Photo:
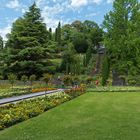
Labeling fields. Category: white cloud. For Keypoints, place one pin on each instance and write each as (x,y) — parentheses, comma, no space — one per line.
(39,2)
(91,15)
(23,9)
(5,31)
(78,3)
(52,16)
(13,4)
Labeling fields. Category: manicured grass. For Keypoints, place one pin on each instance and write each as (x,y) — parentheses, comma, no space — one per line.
(93,116)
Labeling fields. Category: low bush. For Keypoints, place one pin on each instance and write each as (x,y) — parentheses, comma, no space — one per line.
(67,80)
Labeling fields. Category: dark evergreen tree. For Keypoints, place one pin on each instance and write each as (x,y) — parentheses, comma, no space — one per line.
(50,33)
(105,71)
(59,33)
(56,35)
(26,44)
(88,55)
(80,42)
(1,43)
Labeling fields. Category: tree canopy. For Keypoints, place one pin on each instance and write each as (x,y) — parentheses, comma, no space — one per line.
(122,38)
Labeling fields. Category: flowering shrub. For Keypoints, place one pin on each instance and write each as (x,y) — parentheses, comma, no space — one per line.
(74,92)
(67,80)
(42,89)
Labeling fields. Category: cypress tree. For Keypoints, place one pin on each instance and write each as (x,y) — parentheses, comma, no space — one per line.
(1,42)
(50,33)
(59,33)
(105,71)
(88,55)
(56,35)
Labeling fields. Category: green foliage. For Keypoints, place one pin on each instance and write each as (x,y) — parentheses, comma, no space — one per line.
(80,42)
(89,80)
(56,35)
(91,65)
(59,33)
(27,44)
(133,80)
(50,34)
(24,79)
(105,70)
(46,77)
(68,58)
(12,78)
(1,77)
(80,33)
(1,42)
(30,47)
(75,80)
(122,38)
(67,80)
(88,56)
(96,35)
(32,78)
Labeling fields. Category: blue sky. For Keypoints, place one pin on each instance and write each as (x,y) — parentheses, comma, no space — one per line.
(53,11)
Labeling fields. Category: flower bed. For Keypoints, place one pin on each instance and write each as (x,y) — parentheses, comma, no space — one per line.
(9,92)
(20,111)
(16,91)
(74,92)
(42,89)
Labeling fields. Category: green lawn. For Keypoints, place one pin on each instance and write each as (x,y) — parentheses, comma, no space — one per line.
(93,116)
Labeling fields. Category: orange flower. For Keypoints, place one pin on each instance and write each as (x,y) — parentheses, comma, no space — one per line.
(42,89)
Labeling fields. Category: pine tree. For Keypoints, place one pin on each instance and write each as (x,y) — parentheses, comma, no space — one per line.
(26,44)
(29,31)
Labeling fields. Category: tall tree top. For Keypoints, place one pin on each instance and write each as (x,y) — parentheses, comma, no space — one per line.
(29,31)
(33,14)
